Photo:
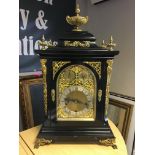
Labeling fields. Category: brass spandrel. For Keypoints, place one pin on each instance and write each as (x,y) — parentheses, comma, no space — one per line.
(56,65)
(96,66)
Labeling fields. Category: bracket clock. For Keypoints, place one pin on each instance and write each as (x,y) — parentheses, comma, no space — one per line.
(76,79)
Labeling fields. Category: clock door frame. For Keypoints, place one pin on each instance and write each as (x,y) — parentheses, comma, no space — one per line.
(97,66)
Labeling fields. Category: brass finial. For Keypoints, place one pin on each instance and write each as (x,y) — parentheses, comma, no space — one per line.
(45,44)
(111,44)
(103,45)
(43,38)
(77,20)
(77,10)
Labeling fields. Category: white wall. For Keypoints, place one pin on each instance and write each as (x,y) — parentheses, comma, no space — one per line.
(115,17)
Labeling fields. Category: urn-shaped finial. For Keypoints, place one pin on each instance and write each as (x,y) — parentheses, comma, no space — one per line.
(77,20)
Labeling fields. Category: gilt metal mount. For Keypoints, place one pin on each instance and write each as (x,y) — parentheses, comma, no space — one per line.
(77,20)
(108,142)
(44,44)
(77,43)
(110,45)
(41,142)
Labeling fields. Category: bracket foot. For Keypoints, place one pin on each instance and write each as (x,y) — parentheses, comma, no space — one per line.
(42,142)
(108,142)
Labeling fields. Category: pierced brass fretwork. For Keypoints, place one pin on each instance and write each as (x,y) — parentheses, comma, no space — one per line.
(57,65)
(96,66)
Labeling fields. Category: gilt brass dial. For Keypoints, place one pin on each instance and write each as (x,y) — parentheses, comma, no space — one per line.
(76,101)
(76,94)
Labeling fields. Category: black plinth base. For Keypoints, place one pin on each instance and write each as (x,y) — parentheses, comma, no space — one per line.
(73,135)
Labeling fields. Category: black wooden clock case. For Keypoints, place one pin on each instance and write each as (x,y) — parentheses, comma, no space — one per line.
(75,131)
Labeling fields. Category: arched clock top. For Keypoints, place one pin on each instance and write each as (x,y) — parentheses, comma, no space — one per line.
(76,89)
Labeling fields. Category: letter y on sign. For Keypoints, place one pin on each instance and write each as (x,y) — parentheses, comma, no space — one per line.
(24,16)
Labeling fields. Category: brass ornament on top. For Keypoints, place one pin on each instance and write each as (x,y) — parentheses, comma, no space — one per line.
(109,46)
(77,43)
(77,20)
(44,44)
(75,91)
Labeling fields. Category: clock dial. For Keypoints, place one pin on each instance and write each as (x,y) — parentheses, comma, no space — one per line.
(76,100)
(76,94)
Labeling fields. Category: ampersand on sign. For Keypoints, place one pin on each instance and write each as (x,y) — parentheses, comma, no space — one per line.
(40,22)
